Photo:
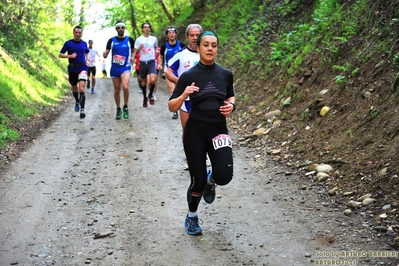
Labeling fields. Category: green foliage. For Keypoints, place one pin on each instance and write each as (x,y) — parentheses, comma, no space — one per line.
(287,7)
(291,48)
(6,134)
(23,88)
(240,30)
(395,61)
(184,14)
(350,133)
(346,69)
(373,113)
(134,13)
(32,80)
(340,79)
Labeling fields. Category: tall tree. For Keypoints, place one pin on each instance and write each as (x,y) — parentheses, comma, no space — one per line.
(135,28)
(165,9)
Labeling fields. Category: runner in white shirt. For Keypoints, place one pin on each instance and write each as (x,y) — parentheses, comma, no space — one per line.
(146,45)
(182,61)
(92,67)
(104,69)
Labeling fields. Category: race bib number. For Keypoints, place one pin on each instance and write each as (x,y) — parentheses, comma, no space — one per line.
(82,75)
(118,59)
(146,51)
(221,141)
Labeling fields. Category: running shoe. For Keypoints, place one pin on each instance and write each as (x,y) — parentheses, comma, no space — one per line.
(192,226)
(145,102)
(77,107)
(118,114)
(88,84)
(152,100)
(175,115)
(125,113)
(209,191)
(82,114)
(92,91)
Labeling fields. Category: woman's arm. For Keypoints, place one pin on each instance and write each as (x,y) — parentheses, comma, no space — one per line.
(177,98)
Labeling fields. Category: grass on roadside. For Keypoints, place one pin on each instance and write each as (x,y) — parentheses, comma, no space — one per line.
(26,87)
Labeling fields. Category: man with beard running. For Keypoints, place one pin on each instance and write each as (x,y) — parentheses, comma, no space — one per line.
(121,63)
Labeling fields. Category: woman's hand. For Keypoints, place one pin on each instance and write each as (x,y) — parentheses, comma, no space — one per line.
(226,109)
(175,104)
(190,90)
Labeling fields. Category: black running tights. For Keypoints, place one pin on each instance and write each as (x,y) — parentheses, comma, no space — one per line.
(198,141)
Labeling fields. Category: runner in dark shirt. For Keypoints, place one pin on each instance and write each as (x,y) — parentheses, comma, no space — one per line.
(211,92)
(77,52)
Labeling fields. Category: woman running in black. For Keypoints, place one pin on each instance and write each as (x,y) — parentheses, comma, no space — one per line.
(211,92)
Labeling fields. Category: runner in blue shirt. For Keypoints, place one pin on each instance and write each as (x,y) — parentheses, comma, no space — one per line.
(168,49)
(77,52)
(121,64)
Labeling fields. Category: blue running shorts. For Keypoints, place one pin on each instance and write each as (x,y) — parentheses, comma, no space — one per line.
(186,106)
(118,71)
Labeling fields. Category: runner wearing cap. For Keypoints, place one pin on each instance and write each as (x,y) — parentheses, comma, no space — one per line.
(168,49)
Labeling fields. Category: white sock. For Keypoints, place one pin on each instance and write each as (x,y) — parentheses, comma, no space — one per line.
(192,214)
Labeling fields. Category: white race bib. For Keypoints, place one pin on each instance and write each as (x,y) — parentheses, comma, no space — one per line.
(118,59)
(82,75)
(221,141)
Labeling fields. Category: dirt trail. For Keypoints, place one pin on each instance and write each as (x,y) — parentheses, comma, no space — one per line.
(104,192)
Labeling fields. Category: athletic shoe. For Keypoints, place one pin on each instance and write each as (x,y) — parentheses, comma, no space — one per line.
(77,107)
(118,114)
(88,84)
(192,226)
(175,115)
(152,100)
(145,102)
(155,97)
(92,91)
(82,114)
(125,113)
(209,191)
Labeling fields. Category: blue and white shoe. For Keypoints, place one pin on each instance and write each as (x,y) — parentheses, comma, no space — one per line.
(82,114)
(192,226)
(77,107)
(209,193)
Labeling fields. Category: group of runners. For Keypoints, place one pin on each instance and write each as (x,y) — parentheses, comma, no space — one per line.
(201,90)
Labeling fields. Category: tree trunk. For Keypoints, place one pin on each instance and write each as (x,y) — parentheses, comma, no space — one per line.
(166,10)
(135,29)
